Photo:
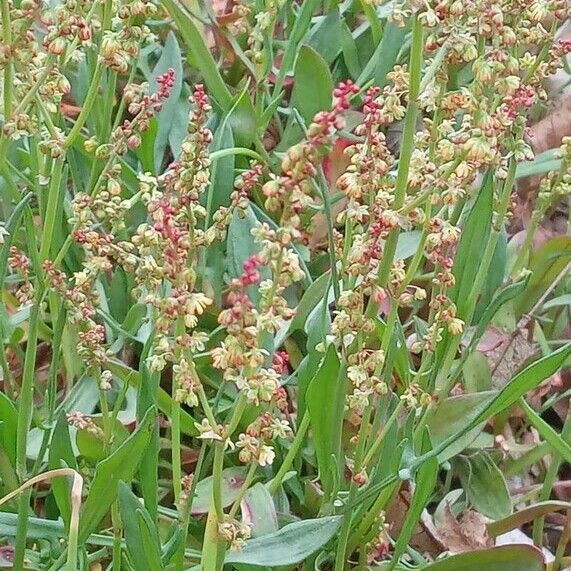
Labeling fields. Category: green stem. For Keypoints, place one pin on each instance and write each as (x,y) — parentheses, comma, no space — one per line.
(93,86)
(217,477)
(374,22)
(549,480)
(247,483)
(287,463)
(25,409)
(324,192)
(51,209)
(407,146)
(8,69)
(175,425)
(341,554)
(86,107)
(443,380)
(379,440)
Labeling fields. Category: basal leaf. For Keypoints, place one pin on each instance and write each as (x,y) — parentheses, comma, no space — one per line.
(122,465)
(504,558)
(141,535)
(472,243)
(259,511)
(9,419)
(454,417)
(485,486)
(232,480)
(524,516)
(325,401)
(61,455)
(170,59)
(425,481)
(292,544)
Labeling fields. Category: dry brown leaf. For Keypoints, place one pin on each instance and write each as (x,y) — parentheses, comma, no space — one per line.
(509,357)
(425,537)
(463,535)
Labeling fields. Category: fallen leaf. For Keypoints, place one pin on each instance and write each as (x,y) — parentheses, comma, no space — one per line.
(425,537)
(465,534)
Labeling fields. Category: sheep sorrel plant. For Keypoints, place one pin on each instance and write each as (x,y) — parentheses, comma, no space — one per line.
(269,297)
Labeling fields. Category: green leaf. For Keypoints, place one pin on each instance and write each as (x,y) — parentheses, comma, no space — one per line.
(562,300)
(92,446)
(385,56)
(222,177)
(524,516)
(312,296)
(292,544)
(331,26)
(122,464)
(61,455)
(9,423)
(407,244)
(483,409)
(119,295)
(147,398)
(243,120)
(504,558)
(485,486)
(300,27)
(199,54)
(313,84)
(500,299)
(546,263)
(544,162)
(454,420)
(232,480)
(326,401)
(170,58)
(425,482)
(495,277)
(555,440)
(259,511)
(146,150)
(141,535)
(241,246)
(477,373)
(179,126)
(525,381)
(472,243)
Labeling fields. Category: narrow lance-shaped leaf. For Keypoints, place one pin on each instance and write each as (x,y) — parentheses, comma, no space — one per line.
(141,535)
(290,545)
(325,402)
(122,464)
(504,558)
(425,481)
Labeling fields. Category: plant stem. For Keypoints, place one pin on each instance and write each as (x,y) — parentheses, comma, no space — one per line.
(51,209)
(379,440)
(23,427)
(175,425)
(8,69)
(291,455)
(443,379)
(407,146)
(217,483)
(93,86)
(549,480)
(247,483)
(341,554)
